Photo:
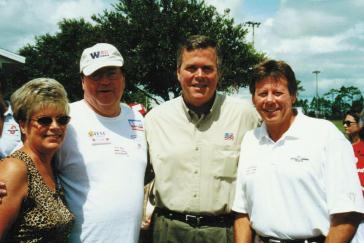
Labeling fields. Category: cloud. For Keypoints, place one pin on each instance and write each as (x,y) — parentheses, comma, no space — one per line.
(22,20)
(233,5)
(317,35)
(325,35)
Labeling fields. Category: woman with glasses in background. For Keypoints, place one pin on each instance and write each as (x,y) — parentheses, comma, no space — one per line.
(353,125)
(354,129)
(34,209)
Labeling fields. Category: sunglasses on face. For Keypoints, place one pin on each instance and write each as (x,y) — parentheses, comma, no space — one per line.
(47,120)
(348,123)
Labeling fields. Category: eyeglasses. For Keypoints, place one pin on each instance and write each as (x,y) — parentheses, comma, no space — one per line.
(348,123)
(47,120)
(111,74)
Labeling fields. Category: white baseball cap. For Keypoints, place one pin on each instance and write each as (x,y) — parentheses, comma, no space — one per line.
(99,56)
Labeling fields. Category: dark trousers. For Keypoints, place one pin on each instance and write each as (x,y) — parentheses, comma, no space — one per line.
(167,230)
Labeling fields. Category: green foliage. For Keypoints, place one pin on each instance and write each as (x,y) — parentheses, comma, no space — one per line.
(57,56)
(152,30)
(147,34)
(335,103)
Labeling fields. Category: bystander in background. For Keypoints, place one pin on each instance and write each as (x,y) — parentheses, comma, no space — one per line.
(354,129)
(10,133)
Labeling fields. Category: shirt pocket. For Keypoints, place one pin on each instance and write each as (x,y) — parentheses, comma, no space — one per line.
(225,161)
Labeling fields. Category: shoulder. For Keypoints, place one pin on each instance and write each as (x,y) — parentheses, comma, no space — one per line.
(13,171)
(77,108)
(239,109)
(130,113)
(165,108)
(76,104)
(322,127)
(318,123)
(238,104)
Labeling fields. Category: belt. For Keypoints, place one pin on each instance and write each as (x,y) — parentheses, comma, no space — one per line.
(317,239)
(198,220)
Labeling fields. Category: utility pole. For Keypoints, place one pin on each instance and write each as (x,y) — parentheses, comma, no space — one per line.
(252,24)
(317,95)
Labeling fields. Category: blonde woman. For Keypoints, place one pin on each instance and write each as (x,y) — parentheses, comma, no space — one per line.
(34,209)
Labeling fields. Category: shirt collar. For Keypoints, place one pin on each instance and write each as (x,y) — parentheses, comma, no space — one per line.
(190,113)
(294,131)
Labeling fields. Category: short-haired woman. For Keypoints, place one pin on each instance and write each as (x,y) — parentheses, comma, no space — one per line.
(34,209)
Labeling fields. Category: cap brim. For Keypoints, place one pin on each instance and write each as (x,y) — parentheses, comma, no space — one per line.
(96,66)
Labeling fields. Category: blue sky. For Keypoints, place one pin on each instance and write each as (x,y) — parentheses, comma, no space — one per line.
(325,35)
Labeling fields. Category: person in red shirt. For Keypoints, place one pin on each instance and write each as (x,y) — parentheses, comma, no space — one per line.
(354,129)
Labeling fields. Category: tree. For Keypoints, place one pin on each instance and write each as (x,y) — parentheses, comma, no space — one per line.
(57,56)
(303,103)
(152,31)
(147,33)
(344,99)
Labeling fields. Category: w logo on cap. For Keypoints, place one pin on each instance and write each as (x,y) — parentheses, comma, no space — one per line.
(95,54)
(98,54)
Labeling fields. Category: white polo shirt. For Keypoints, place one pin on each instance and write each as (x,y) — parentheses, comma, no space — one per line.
(290,187)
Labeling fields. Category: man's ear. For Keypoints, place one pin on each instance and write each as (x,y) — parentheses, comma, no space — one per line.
(293,99)
(83,82)
(178,74)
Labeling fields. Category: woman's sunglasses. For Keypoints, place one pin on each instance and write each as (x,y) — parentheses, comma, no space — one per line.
(348,123)
(47,120)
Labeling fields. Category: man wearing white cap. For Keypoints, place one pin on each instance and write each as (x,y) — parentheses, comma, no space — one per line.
(102,162)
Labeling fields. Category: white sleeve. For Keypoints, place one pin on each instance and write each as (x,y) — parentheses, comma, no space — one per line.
(240,201)
(341,179)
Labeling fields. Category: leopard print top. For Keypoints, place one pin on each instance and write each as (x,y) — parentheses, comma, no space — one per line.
(43,216)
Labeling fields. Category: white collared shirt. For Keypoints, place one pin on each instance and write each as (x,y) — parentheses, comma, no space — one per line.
(290,187)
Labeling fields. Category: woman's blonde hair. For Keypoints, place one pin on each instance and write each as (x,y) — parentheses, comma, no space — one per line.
(36,95)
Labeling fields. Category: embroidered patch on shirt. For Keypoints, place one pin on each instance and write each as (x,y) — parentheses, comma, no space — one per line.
(228,136)
(299,159)
(98,137)
(136,125)
(250,170)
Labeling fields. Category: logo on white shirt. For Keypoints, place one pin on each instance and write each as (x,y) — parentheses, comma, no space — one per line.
(12,130)
(228,136)
(136,125)
(98,137)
